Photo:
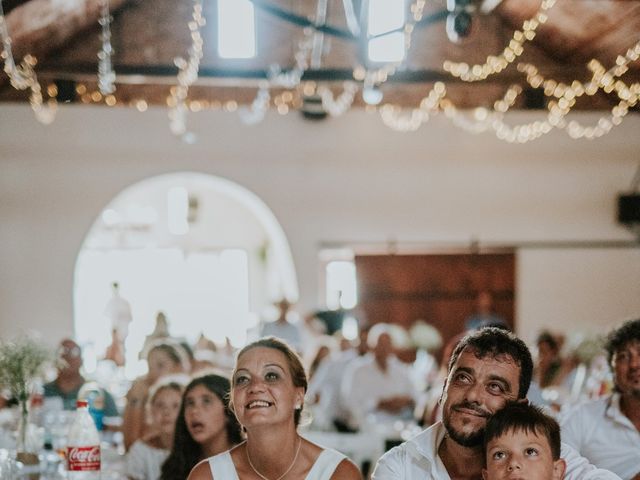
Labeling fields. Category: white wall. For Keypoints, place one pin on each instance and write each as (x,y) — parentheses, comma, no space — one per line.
(339,181)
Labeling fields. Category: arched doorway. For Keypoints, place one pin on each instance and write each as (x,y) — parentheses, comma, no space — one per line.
(204,251)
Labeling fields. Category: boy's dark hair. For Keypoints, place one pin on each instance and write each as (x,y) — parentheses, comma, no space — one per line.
(629,331)
(494,342)
(517,417)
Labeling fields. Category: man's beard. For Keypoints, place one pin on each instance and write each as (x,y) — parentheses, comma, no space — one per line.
(469,440)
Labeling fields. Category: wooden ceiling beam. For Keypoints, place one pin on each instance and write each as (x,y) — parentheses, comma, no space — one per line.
(578,30)
(148,35)
(39,27)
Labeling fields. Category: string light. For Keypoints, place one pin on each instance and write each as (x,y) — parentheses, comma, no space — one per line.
(409,121)
(23,76)
(601,80)
(106,74)
(497,63)
(258,109)
(276,77)
(187,73)
(291,79)
(338,106)
(562,96)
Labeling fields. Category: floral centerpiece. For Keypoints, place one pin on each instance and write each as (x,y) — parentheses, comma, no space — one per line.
(21,361)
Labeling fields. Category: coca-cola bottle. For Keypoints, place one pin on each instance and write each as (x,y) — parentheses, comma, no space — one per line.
(83,446)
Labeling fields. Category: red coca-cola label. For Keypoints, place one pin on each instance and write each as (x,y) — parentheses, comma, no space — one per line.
(83,458)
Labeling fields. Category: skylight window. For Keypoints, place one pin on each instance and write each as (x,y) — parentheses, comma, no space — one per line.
(341,285)
(385,28)
(236,29)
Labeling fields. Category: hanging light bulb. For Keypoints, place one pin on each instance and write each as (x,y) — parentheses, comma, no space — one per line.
(459,20)
(372,95)
(458,25)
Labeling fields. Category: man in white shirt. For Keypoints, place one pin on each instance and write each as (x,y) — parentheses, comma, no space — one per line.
(283,328)
(378,384)
(607,430)
(487,369)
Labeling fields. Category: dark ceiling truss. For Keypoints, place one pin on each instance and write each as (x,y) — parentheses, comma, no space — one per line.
(163,73)
(555,59)
(167,73)
(304,22)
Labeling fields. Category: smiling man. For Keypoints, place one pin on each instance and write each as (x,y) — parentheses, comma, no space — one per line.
(488,368)
(607,430)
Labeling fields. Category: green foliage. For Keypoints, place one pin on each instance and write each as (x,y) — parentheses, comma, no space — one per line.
(20,362)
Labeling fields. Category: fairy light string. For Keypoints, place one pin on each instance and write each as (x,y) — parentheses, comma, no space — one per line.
(187,73)
(497,63)
(106,74)
(562,97)
(23,76)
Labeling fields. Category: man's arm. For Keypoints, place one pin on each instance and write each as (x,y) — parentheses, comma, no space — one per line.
(395,404)
(579,468)
(572,431)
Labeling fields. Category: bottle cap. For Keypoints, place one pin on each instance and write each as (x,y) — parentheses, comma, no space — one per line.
(82,403)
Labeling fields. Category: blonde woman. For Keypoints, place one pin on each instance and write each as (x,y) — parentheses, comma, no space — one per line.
(145,457)
(267,395)
(164,358)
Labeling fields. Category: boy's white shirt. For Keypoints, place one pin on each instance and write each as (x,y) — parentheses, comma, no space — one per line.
(417,459)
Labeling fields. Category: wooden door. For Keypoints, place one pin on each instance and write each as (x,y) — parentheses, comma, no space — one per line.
(440,289)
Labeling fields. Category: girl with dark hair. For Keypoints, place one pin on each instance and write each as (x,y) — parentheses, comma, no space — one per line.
(205,426)
(269,384)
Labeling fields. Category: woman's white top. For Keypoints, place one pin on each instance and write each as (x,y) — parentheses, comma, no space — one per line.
(222,467)
(144,462)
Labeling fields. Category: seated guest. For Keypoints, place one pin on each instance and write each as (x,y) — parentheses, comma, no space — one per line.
(322,354)
(484,314)
(607,430)
(70,381)
(164,357)
(488,368)
(329,409)
(282,328)
(205,426)
(520,441)
(550,369)
(378,384)
(269,384)
(146,455)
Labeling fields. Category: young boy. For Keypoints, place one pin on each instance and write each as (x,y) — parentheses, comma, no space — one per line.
(521,442)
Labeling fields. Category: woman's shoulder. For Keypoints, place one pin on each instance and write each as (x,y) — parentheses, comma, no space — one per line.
(201,471)
(330,461)
(346,470)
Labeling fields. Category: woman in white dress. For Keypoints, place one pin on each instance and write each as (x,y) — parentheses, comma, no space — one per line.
(147,455)
(267,395)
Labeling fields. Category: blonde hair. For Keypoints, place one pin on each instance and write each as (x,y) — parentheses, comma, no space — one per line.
(177,383)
